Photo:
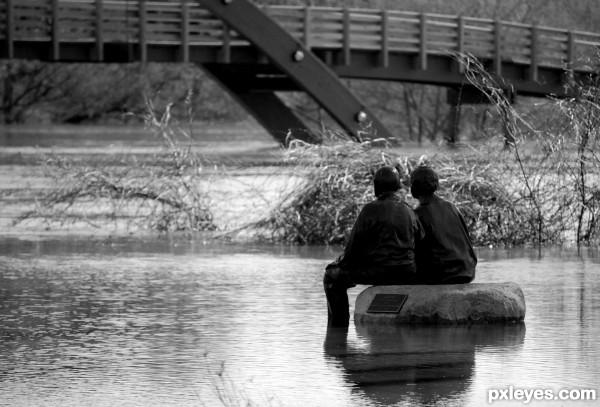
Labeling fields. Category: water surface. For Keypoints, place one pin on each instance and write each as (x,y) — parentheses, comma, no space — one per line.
(159,321)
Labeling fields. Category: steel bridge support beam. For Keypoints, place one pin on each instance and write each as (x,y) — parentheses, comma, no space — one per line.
(298,62)
(263,104)
(275,116)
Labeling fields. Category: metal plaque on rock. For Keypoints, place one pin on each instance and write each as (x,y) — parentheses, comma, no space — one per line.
(388,303)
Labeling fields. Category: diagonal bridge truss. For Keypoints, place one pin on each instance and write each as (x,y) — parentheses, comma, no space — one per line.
(296,62)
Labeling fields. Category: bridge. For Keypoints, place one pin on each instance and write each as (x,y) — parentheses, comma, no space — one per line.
(254,51)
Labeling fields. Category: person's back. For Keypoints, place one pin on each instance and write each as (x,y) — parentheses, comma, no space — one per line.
(380,249)
(445,255)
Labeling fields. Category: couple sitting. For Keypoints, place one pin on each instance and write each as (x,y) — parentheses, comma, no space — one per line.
(392,244)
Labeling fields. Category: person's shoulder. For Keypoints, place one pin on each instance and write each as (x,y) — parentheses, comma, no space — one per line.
(439,201)
(435,205)
(429,204)
(394,202)
(447,204)
(371,206)
(448,207)
(387,199)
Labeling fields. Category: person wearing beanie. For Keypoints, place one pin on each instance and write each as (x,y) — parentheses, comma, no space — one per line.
(445,255)
(380,249)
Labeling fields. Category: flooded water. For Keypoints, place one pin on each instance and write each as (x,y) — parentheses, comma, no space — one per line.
(238,162)
(158,321)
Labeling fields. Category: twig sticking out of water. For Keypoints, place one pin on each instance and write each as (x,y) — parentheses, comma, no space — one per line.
(161,193)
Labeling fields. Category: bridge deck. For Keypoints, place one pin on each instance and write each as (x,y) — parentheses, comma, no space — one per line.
(146,23)
(353,43)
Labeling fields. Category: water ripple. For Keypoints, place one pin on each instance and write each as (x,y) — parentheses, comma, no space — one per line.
(195,325)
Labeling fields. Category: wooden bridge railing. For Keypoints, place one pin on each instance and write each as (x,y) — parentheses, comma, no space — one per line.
(187,24)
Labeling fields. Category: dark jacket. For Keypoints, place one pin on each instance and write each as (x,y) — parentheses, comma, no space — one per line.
(446,254)
(382,241)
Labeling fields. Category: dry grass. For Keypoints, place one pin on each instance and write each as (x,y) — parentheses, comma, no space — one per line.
(340,174)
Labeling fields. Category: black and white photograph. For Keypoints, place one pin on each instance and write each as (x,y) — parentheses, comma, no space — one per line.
(328,203)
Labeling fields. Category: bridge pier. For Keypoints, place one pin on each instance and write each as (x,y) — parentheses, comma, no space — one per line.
(275,116)
(468,94)
(453,129)
(256,93)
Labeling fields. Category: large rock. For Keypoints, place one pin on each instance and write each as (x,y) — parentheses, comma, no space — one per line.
(447,304)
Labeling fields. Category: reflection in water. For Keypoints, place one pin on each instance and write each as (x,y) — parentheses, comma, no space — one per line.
(415,365)
(154,322)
